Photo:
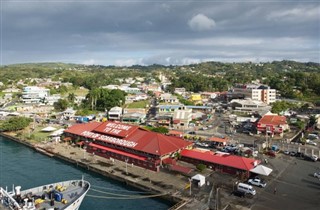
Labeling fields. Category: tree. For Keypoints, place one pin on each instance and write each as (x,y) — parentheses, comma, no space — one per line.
(201,167)
(60,105)
(15,124)
(162,130)
(71,97)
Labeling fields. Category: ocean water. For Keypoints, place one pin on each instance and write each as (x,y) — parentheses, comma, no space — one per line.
(20,165)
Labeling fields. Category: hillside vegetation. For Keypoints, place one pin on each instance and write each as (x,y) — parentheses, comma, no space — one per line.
(292,79)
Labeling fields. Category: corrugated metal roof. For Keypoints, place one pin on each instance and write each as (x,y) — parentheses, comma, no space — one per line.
(221,159)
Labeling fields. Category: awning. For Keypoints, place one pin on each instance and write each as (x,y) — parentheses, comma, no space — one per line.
(262,170)
(67,139)
(182,169)
(80,143)
(123,153)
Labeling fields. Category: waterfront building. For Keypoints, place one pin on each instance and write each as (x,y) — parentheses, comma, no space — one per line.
(127,143)
(218,161)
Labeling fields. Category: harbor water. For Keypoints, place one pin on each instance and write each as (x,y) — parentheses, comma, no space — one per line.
(20,165)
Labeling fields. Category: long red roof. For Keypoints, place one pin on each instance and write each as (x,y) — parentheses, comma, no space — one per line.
(134,137)
(221,159)
(273,120)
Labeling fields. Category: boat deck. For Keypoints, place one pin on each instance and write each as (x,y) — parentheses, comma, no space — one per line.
(66,195)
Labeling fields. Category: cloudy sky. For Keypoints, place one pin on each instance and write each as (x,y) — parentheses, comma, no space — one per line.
(127,32)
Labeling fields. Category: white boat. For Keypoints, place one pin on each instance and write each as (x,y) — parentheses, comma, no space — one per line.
(66,195)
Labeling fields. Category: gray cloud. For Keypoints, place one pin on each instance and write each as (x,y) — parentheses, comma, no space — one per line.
(165,32)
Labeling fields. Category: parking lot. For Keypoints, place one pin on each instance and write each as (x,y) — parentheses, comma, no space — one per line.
(296,188)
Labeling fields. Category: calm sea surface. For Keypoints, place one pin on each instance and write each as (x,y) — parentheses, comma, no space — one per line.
(20,165)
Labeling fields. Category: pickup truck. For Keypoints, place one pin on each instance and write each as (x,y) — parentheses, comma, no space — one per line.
(257,182)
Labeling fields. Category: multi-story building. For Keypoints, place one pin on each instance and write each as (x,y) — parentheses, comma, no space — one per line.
(272,125)
(115,113)
(256,92)
(182,117)
(34,94)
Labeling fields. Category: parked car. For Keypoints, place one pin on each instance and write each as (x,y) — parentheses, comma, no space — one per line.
(300,154)
(239,193)
(257,182)
(293,153)
(311,142)
(286,152)
(270,153)
(314,158)
(311,158)
(317,175)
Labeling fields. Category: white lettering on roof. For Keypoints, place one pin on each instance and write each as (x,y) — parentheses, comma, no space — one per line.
(117,126)
(110,139)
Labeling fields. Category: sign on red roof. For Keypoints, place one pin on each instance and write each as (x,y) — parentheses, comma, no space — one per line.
(116,129)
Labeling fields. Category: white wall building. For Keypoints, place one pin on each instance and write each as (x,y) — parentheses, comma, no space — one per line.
(34,94)
(115,113)
(256,92)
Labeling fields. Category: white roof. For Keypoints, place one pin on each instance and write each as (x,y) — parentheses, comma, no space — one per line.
(57,132)
(48,129)
(262,170)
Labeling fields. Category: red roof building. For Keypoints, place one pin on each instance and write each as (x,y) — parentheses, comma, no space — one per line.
(272,124)
(223,162)
(218,140)
(128,143)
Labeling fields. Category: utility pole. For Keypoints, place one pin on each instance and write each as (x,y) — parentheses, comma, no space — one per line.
(190,182)
(126,160)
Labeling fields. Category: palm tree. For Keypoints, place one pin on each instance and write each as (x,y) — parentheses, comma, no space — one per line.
(71,97)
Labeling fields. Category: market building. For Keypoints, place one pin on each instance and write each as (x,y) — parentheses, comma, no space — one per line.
(127,143)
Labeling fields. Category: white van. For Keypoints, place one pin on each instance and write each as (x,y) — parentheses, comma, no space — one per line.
(246,188)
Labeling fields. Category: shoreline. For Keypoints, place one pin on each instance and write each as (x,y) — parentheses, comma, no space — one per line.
(177,200)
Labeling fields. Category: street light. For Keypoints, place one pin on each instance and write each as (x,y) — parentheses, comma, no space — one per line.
(126,160)
(190,183)
(84,153)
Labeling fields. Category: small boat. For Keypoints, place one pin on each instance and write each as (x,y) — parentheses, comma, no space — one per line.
(66,195)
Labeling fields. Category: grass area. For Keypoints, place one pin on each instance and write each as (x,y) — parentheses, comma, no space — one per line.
(79,91)
(37,135)
(138,104)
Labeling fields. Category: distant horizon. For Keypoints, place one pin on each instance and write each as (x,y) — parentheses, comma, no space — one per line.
(135,32)
(209,61)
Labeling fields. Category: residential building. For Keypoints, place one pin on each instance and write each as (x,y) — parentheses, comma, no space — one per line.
(180,91)
(168,98)
(196,98)
(115,113)
(182,117)
(272,125)
(34,94)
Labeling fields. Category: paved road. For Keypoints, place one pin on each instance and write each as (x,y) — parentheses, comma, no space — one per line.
(295,184)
